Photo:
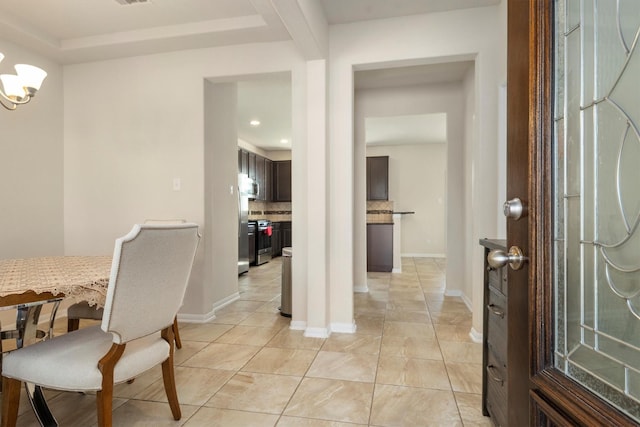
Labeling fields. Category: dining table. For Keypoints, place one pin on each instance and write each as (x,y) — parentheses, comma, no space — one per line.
(28,283)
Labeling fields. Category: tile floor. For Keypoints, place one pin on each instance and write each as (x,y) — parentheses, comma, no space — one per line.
(411,363)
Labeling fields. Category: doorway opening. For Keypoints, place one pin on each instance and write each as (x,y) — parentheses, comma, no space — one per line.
(249,115)
(430,169)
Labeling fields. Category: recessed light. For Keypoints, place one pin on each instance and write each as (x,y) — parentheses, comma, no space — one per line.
(254,123)
(284,141)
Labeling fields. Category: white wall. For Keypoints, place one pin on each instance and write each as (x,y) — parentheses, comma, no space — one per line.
(220,203)
(141,126)
(31,167)
(417,183)
(439,37)
(472,295)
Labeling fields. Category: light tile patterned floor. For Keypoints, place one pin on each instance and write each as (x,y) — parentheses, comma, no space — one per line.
(410,363)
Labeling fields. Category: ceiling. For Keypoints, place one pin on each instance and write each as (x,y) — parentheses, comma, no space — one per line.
(344,11)
(267,100)
(87,30)
(426,74)
(74,31)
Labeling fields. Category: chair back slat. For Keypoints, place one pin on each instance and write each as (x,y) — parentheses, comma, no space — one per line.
(149,276)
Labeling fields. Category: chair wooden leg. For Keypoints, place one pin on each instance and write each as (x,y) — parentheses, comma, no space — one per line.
(104,397)
(10,401)
(170,388)
(176,333)
(73,325)
(104,400)
(168,376)
(1,355)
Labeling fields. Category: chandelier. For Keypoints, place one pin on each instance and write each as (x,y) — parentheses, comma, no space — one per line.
(19,88)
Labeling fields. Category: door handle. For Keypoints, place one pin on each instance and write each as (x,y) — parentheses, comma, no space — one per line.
(498,258)
(493,374)
(514,209)
(496,310)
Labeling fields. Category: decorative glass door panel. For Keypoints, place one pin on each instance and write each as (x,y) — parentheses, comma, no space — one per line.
(597,197)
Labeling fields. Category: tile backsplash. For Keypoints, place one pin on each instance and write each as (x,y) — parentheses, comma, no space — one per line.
(379,212)
(276,211)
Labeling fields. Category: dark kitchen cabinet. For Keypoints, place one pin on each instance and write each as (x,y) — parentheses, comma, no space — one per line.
(380,247)
(378,178)
(273,178)
(285,231)
(276,240)
(243,161)
(260,179)
(251,235)
(268,180)
(252,165)
(281,181)
(281,237)
(498,375)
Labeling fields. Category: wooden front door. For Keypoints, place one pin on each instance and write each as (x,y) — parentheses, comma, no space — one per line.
(573,158)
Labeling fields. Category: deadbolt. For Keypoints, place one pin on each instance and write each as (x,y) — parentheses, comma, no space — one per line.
(513,208)
(498,258)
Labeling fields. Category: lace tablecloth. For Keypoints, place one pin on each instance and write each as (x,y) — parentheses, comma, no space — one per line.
(79,278)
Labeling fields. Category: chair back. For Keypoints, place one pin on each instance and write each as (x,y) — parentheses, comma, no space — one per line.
(149,276)
(165,221)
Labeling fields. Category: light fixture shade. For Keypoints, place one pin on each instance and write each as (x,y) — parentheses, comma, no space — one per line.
(31,77)
(13,86)
(1,56)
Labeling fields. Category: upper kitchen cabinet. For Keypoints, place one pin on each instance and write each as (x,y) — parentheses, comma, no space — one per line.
(268,180)
(252,165)
(378,178)
(260,179)
(243,161)
(261,170)
(281,181)
(264,172)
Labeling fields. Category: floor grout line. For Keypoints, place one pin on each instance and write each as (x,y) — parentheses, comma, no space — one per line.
(388,293)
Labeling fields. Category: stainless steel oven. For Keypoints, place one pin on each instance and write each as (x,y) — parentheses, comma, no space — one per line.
(263,241)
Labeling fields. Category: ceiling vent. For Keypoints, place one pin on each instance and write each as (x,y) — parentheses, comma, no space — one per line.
(126,2)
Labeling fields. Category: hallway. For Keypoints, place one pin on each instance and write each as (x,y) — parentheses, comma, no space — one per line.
(410,363)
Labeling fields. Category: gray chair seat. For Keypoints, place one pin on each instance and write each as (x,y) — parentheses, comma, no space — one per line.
(72,360)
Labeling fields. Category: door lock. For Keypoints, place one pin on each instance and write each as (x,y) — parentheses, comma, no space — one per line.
(498,258)
(513,208)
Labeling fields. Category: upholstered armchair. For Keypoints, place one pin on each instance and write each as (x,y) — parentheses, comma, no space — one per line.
(149,275)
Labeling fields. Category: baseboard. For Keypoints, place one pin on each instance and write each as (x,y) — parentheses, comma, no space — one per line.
(344,328)
(475,336)
(298,325)
(452,293)
(362,289)
(423,255)
(458,293)
(467,302)
(317,332)
(396,270)
(211,315)
(226,301)
(197,318)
